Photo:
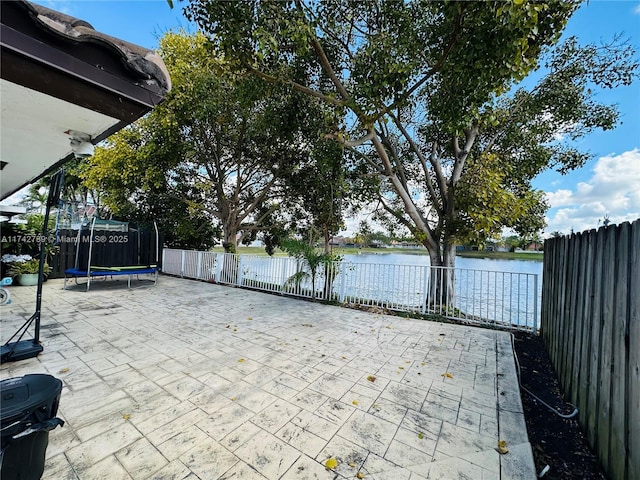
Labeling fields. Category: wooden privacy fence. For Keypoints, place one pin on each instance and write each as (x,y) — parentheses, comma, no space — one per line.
(590,324)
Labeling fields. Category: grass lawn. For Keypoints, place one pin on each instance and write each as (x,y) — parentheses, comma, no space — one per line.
(537,256)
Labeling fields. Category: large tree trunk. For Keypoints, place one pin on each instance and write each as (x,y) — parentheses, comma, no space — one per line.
(327,239)
(441,291)
(229,271)
(330,269)
(229,237)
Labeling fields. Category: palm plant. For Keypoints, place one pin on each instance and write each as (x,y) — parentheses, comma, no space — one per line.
(310,260)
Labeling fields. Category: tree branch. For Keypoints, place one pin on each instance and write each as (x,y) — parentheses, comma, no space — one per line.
(350,143)
(383,134)
(410,207)
(432,71)
(296,86)
(326,66)
(442,184)
(461,155)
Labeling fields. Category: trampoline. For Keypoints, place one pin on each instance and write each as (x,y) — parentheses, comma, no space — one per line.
(110,249)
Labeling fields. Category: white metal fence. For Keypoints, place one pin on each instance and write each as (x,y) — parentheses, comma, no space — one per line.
(479,296)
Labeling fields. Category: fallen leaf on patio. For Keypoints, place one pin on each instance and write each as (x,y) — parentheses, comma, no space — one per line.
(439,339)
(228,326)
(448,375)
(249,318)
(126,416)
(233,399)
(355,402)
(407,361)
(375,405)
(420,435)
(331,463)
(424,363)
(388,326)
(64,370)
(360,475)
(235,329)
(401,368)
(240,360)
(502,447)
(344,358)
(371,378)
(352,465)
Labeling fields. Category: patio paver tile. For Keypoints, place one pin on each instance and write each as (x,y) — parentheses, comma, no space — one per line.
(181,443)
(90,452)
(156,386)
(141,459)
(268,455)
(175,470)
(208,459)
(301,439)
(306,468)
(368,431)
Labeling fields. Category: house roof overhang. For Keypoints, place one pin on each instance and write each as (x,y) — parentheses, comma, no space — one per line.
(60,76)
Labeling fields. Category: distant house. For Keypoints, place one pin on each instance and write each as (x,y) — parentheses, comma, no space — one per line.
(338,241)
(407,245)
(377,244)
(467,248)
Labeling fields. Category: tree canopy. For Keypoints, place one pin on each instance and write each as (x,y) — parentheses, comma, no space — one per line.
(219,152)
(426,93)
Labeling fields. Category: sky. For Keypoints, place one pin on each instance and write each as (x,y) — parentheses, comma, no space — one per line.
(608,186)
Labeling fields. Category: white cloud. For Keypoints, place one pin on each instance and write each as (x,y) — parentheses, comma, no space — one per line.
(612,191)
(352,223)
(636,10)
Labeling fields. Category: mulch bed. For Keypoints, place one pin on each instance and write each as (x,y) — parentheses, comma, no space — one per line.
(556,442)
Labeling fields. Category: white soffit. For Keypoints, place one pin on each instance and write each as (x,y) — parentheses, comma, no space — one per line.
(32,127)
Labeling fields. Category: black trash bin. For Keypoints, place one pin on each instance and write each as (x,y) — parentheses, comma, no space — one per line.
(28,407)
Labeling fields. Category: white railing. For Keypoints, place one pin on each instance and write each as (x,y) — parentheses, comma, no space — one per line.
(474,296)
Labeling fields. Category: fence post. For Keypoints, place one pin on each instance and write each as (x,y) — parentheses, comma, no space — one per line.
(343,281)
(182,262)
(164,252)
(425,286)
(199,266)
(239,282)
(219,261)
(283,273)
(535,304)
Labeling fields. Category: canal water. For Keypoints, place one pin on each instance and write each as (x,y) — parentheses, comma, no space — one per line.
(490,264)
(504,297)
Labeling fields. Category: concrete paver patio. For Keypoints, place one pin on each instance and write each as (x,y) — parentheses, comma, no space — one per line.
(189,380)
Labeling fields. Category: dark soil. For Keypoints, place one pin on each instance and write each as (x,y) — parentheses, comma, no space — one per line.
(557,442)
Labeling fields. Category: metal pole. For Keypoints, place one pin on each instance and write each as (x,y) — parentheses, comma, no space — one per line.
(54,194)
